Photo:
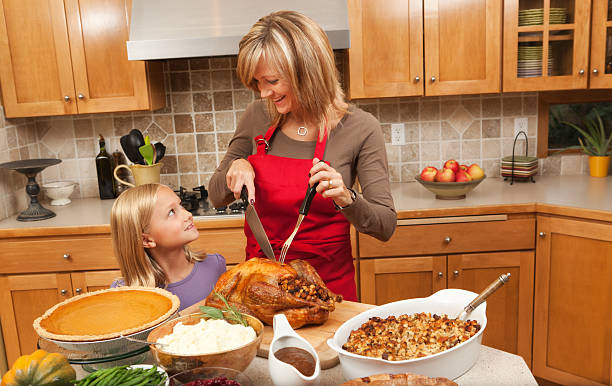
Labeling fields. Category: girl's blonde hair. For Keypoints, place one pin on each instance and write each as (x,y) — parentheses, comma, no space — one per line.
(130,218)
(299,50)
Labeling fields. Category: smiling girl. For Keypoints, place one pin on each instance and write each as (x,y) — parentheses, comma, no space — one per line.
(151,232)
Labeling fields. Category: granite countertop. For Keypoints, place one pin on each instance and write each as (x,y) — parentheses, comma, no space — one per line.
(494,367)
(591,195)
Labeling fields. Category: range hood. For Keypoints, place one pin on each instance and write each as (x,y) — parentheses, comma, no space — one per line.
(162,29)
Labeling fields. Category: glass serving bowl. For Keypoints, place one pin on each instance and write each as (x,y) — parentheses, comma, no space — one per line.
(207,373)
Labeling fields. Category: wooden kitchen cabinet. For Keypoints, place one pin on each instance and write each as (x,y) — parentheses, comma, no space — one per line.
(572,336)
(24,298)
(389,274)
(601,45)
(461,41)
(561,38)
(69,57)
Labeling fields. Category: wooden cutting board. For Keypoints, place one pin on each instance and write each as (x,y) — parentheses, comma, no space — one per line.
(317,335)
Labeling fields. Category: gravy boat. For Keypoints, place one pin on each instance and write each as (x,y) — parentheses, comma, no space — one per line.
(283,374)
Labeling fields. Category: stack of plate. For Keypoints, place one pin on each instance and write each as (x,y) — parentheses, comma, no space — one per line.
(530,61)
(536,16)
(523,167)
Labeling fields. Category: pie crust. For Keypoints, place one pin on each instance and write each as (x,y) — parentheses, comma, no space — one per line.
(106,314)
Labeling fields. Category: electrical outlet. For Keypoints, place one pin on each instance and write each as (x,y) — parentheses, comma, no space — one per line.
(397,134)
(520,124)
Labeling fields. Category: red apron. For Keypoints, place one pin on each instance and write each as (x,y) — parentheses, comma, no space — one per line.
(323,238)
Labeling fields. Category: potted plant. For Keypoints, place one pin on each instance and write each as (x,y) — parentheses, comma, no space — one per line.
(595,144)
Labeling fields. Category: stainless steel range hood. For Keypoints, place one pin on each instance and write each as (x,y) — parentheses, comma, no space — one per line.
(163,29)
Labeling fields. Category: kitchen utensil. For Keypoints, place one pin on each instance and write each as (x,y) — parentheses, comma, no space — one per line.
(501,280)
(160,151)
(147,151)
(256,227)
(130,143)
(284,374)
(143,174)
(450,363)
(30,168)
(238,358)
(304,208)
(143,341)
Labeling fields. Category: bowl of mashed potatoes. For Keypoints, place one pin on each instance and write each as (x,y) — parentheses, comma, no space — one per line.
(193,341)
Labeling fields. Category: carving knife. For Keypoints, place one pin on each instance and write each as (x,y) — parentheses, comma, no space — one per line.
(256,227)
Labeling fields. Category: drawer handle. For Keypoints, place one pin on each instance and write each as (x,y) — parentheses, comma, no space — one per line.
(78,290)
(455,273)
(447,239)
(542,234)
(66,256)
(63,292)
(440,274)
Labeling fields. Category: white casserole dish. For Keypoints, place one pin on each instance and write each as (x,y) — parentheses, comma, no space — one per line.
(449,364)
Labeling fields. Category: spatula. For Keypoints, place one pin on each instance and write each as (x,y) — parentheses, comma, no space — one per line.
(147,151)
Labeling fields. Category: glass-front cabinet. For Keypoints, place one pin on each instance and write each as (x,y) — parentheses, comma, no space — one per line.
(546,44)
(601,45)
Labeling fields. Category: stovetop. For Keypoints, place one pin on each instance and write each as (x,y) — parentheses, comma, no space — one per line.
(196,202)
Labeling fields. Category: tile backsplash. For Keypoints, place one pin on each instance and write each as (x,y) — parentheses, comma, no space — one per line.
(205,101)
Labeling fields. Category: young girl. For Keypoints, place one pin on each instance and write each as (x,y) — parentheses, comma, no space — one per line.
(150,231)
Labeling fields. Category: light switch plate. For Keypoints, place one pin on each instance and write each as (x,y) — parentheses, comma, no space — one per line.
(397,134)
(520,124)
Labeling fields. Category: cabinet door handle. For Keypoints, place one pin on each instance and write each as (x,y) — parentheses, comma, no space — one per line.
(433,78)
(66,98)
(447,239)
(417,79)
(542,234)
(63,292)
(581,72)
(440,274)
(66,256)
(81,96)
(78,290)
(595,71)
(455,273)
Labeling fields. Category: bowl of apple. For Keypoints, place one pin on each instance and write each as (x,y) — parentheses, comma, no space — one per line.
(451,182)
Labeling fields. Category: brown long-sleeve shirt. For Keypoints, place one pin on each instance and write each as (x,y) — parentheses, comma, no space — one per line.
(355,148)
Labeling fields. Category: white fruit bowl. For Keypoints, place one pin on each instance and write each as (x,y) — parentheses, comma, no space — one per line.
(449,190)
(59,191)
(450,364)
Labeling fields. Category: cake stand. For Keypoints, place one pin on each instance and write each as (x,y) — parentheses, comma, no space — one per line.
(30,168)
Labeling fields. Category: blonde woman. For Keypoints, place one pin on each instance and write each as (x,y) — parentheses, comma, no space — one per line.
(150,231)
(275,151)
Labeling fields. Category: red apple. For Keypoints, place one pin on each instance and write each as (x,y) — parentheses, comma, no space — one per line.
(452,165)
(462,176)
(475,172)
(429,173)
(446,175)
(463,167)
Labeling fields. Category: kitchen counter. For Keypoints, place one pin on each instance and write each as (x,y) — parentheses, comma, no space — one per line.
(578,195)
(494,367)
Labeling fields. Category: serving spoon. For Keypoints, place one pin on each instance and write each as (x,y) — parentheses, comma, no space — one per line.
(143,341)
(501,280)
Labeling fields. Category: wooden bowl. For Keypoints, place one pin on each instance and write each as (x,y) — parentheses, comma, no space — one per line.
(238,358)
(449,190)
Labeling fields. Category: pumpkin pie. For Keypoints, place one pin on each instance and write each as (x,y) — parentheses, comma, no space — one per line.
(106,314)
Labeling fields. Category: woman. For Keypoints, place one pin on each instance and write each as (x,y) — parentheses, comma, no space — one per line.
(286,57)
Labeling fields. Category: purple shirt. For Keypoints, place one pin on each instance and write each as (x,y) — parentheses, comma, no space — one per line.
(198,284)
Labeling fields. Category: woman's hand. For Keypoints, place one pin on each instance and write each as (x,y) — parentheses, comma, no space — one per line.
(330,183)
(241,173)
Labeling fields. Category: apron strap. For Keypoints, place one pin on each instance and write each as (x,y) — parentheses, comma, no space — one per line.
(263,143)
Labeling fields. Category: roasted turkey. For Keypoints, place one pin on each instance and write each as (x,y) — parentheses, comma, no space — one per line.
(262,288)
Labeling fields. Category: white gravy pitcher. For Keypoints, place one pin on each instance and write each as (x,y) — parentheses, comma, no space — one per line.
(282,373)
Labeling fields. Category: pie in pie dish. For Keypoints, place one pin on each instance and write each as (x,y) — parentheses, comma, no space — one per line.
(106,314)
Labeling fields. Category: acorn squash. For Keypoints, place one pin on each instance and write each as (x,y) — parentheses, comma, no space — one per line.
(40,369)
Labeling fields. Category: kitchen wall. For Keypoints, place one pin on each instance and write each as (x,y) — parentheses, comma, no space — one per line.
(206,100)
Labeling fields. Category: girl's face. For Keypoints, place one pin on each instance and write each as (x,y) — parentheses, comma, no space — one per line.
(171,225)
(274,87)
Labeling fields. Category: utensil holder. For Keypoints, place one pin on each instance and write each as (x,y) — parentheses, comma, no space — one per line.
(513,153)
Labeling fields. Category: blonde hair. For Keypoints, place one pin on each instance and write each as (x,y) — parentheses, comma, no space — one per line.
(130,218)
(299,50)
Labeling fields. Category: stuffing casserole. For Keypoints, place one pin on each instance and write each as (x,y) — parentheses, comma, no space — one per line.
(409,336)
